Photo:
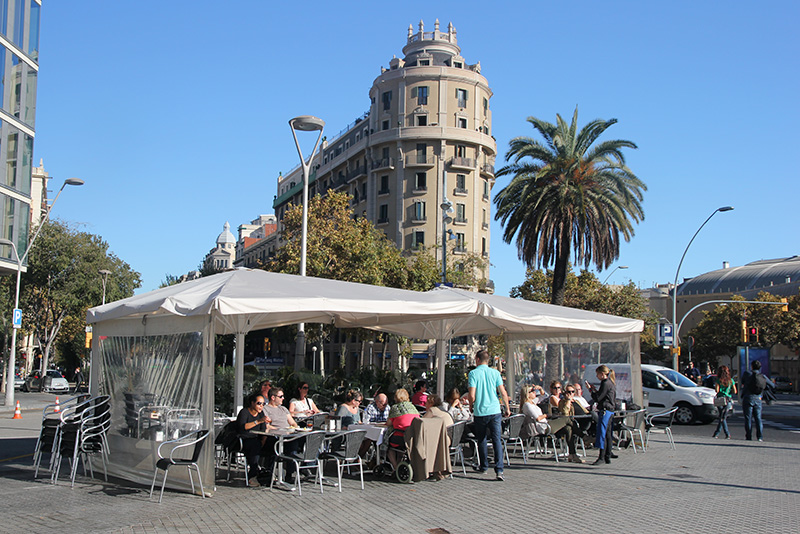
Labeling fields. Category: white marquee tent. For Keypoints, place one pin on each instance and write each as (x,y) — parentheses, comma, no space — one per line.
(146,348)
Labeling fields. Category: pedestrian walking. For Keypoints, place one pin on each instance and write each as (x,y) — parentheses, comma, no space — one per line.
(726,389)
(753,385)
(485,384)
(78,379)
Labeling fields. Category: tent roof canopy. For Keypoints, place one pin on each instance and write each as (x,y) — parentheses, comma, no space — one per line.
(249,299)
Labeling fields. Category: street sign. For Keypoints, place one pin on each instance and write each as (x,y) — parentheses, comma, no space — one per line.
(664,334)
(16,318)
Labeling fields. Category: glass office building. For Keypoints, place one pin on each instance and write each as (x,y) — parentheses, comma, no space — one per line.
(19,63)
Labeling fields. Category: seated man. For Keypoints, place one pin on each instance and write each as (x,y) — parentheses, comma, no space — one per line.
(280,419)
(378,410)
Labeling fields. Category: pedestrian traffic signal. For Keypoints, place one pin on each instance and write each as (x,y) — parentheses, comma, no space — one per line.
(752,335)
(743,332)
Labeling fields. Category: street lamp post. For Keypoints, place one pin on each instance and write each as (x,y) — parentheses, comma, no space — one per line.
(104,273)
(12,363)
(615,270)
(675,341)
(304,123)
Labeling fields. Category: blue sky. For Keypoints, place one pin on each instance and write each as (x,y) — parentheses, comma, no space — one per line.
(175,113)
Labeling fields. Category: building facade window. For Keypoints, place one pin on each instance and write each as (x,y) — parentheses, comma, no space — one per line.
(383,213)
(461,151)
(461,243)
(418,239)
(421,181)
(419,211)
(385,125)
(386,98)
(384,190)
(422,120)
(461,213)
(461,96)
(486,190)
(462,122)
(461,183)
(422,153)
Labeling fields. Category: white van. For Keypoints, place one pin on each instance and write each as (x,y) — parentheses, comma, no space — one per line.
(665,388)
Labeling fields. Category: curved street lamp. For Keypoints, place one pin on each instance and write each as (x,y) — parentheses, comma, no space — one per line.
(615,270)
(675,341)
(12,363)
(304,123)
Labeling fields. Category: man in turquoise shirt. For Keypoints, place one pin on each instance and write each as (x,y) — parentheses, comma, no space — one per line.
(484,385)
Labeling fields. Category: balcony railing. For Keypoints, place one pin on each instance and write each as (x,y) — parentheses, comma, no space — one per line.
(460,191)
(385,163)
(355,173)
(487,169)
(420,161)
(462,163)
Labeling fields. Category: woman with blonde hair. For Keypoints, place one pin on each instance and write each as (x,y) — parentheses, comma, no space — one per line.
(726,389)
(605,396)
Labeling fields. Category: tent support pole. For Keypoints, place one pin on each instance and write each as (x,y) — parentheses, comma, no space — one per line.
(238,365)
(442,364)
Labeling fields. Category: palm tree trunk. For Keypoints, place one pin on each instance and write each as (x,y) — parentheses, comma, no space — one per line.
(553,361)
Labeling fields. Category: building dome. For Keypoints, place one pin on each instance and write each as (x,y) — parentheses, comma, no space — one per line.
(226,237)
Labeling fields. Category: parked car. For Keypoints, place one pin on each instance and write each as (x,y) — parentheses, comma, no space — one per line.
(18,381)
(782,383)
(665,388)
(53,382)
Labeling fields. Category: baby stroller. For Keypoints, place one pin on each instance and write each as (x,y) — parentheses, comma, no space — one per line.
(404,472)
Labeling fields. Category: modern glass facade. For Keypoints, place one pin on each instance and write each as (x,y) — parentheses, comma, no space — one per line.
(19,56)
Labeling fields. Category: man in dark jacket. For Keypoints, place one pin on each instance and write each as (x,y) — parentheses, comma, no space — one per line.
(753,385)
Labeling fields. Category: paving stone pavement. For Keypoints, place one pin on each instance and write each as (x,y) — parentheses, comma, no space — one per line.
(747,486)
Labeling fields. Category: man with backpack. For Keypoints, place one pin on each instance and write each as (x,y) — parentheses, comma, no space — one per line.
(753,385)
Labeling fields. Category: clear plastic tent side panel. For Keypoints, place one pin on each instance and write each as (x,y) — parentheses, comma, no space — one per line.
(529,360)
(154,383)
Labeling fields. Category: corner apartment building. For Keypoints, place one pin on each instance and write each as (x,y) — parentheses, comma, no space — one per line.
(425,139)
(19,63)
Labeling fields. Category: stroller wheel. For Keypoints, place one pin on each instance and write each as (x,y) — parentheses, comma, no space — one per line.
(404,472)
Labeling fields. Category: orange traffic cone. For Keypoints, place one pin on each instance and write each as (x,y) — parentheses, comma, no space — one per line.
(58,407)
(17,412)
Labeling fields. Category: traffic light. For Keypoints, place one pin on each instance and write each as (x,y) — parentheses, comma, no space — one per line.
(752,335)
(785,307)
(744,337)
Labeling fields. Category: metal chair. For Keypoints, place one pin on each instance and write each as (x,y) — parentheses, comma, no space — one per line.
(347,455)
(511,435)
(51,421)
(81,432)
(652,426)
(636,428)
(456,432)
(196,439)
(308,458)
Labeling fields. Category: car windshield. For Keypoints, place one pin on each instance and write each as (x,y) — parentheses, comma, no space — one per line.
(676,378)
(54,374)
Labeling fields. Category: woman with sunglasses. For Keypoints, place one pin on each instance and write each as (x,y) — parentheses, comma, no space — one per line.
(350,411)
(302,405)
(571,430)
(251,419)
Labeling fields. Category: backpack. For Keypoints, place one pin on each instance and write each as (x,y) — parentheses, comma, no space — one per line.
(759,383)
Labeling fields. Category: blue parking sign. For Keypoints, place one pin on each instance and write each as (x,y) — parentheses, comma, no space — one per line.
(16,318)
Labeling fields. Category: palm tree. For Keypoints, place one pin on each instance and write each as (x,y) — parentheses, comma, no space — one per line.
(567,194)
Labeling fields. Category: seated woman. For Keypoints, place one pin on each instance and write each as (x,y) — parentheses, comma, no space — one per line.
(302,405)
(420,393)
(349,411)
(251,418)
(571,430)
(433,408)
(535,423)
(400,417)
(457,409)
(556,391)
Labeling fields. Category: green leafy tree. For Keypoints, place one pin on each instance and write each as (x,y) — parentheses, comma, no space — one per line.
(63,280)
(584,291)
(568,194)
(718,334)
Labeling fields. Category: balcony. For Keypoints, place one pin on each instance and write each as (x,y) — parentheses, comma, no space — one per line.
(385,163)
(420,161)
(487,170)
(460,249)
(356,173)
(383,220)
(419,218)
(462,163)
(460,191)
(459,220)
